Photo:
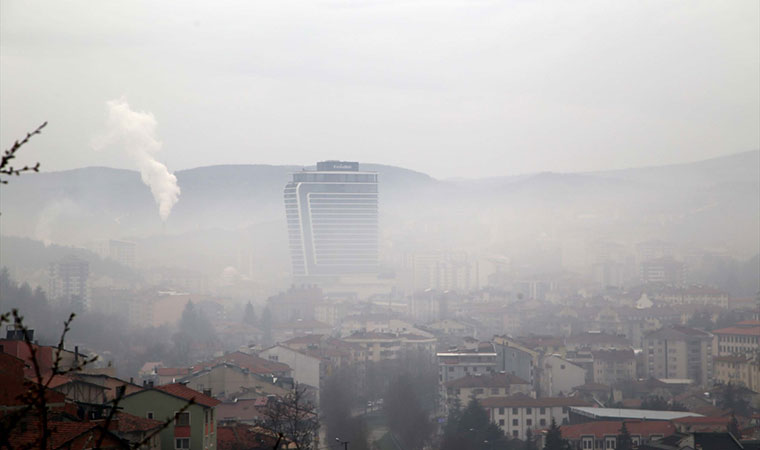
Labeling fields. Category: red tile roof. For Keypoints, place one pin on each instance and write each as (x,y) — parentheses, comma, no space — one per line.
(129,423)
(184,392)
(743,330)
(240,436)
(173,371)
(253,363)
(612,428)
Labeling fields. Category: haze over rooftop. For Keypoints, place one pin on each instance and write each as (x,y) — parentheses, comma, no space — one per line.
(452,89)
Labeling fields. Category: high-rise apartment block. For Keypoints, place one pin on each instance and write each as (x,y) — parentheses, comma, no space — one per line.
(332,216)
(68,282)
(679,352)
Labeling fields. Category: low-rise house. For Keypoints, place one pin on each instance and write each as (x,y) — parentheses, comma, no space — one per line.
(517,414)
(66,435)
(191,414)
(115,387)
(461,390)
(614,366)
(240,436)
(140,432)
(250,410)
(168,375)
(604,434)
(226,379)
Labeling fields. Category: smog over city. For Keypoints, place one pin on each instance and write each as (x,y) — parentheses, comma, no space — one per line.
(380,225)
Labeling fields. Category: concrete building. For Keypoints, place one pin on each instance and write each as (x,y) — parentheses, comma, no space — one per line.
(515,358)
(516,414)
(741,339)
(457,363)
(738,370)
(679,352)
(614,366)
(68,282)
(559,376)
(193,428)
(332,218)
(461,390)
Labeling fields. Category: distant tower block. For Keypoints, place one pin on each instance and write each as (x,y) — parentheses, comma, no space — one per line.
(332,216)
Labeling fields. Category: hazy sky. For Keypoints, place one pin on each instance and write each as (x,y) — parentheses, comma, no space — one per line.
(452,88)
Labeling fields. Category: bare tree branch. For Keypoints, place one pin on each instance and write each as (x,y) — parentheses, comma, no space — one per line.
(5,163)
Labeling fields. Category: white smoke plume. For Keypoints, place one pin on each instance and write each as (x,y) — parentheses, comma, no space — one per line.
(135,131)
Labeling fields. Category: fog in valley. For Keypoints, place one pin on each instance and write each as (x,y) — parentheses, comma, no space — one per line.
(380,225)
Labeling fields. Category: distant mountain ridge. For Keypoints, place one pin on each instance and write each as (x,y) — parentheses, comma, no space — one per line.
(77,205)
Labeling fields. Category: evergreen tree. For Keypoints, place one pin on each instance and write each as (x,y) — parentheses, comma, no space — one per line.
(471,428)
(530,441)
(554,439)
(249,315)
(624,439)
(733,427)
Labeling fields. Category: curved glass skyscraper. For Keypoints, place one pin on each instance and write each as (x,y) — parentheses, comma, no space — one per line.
(332,216)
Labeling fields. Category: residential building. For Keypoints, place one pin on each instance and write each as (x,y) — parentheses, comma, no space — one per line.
(307,369)
(604,434)
(693,295)
(458,363)
(461,390)
(68,282)
(191,428)
(663,270)
(741,339)
(122,252)
(679,352)
(614,366)
(377,346)
(332,217)
(517,414)
(559,376)
(224,379)
(737,369)
(515,358)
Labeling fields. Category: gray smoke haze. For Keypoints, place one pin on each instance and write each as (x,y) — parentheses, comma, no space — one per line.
(135,131)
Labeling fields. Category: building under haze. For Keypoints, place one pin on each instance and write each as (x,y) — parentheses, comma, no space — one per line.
(332,216)
(68,282)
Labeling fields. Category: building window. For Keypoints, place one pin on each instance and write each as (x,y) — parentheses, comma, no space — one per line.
(501,411)
(542,422)
(514,422)
(528,410)
(515,433)
(149,414)
(501,422)
(543,410)
(514,410)
(182,420)
(528,422)
(494,391)
(182,443)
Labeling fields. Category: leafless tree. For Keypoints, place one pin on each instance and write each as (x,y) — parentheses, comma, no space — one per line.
(5,163)
(293,418)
